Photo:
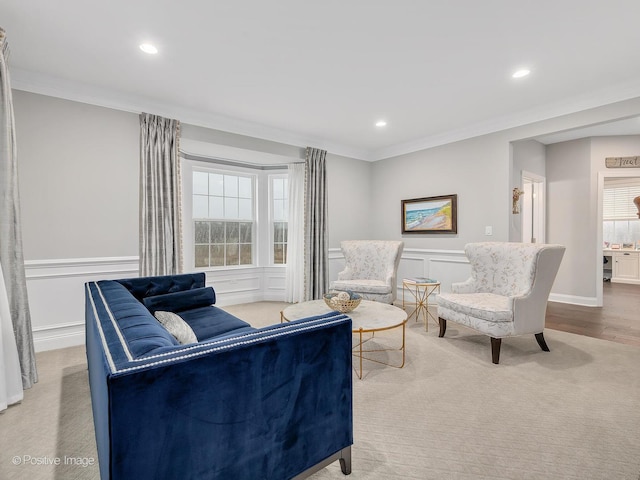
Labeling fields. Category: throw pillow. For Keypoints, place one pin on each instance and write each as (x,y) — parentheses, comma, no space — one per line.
(179,301)
(177,327)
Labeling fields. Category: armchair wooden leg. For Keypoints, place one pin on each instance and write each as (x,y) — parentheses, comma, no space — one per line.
(541,342)
(495,349)
(443,326)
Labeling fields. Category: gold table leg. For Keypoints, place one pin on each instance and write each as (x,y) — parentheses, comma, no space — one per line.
(359,351)
(420,294)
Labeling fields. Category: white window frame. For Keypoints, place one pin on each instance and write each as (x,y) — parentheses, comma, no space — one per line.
(191,166)
(271,177)
(262,241)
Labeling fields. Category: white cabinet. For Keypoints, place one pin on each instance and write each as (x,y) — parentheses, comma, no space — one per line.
(626,267)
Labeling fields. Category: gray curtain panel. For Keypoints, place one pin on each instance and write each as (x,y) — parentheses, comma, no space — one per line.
(315,235)
(11,255)
(160,196)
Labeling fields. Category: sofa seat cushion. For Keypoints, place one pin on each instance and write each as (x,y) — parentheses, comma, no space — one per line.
(209,322)
(485,306)
(179,301)
(364,286)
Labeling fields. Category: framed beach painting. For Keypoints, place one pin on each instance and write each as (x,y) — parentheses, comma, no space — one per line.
(430,215)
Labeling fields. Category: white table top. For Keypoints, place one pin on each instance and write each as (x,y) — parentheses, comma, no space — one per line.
(368,316)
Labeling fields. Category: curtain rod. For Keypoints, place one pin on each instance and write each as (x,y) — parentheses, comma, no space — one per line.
(236,163)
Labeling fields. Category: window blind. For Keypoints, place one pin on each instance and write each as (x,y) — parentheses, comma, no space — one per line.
(618,202)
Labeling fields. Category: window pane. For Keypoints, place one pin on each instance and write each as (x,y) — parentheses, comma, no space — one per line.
(245,254)
(202,232)
(230,186)
(231,208)
(217,232)
(277,232)
(200,183)
(278,254)
(200,207)
(216,182)
(244,187)
(232,254)
(285,232)
(233,232)
(219,202)
(278,210)
(245,233)
(285,253)
(216,207)
(201,256)
(278,188)
(217,255)
(244,211)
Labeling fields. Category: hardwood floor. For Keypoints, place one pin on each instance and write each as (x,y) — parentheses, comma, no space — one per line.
(618,320)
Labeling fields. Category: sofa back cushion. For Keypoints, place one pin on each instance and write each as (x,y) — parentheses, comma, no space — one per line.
(142,287)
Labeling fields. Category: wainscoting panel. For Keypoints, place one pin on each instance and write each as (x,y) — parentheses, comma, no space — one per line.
(56,287)
(446,266)
(246,285)
(56,295)
(448,270)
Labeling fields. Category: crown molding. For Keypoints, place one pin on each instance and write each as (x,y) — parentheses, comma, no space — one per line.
(39,83)
(578,103)
(34,82)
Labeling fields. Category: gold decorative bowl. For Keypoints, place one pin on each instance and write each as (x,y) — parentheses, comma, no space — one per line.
(340,304)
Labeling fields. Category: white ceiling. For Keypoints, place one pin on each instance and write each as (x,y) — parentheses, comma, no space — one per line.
(322,73)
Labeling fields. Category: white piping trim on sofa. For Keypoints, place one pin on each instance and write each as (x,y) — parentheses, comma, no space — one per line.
(125,347)
(259,336)
(285,329)
(112,366)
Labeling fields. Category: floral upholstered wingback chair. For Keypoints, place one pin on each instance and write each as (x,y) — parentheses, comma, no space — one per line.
(507,293)
(371,269)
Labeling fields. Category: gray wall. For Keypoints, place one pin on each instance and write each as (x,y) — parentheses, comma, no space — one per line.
(79,184)
(569,218)
(480,170)
(573,169)
(476,170)
(78,172)
(529,156)
(350,214)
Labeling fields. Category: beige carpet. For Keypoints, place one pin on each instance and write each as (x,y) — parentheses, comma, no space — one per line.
(573,413)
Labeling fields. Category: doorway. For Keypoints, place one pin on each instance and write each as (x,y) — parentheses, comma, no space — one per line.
(533,208)
(602,177)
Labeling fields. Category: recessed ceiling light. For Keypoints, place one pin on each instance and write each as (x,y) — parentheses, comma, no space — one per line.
(381,123)
(148,48)
(521,73)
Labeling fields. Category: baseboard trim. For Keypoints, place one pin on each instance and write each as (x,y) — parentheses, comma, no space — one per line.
(573,300)
(53,337)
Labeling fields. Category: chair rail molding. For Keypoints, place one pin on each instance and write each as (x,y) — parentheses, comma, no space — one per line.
(56,295)
(56,292)
(446,266)
(56,286)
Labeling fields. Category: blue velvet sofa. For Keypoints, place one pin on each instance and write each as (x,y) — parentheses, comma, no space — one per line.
(240,403)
